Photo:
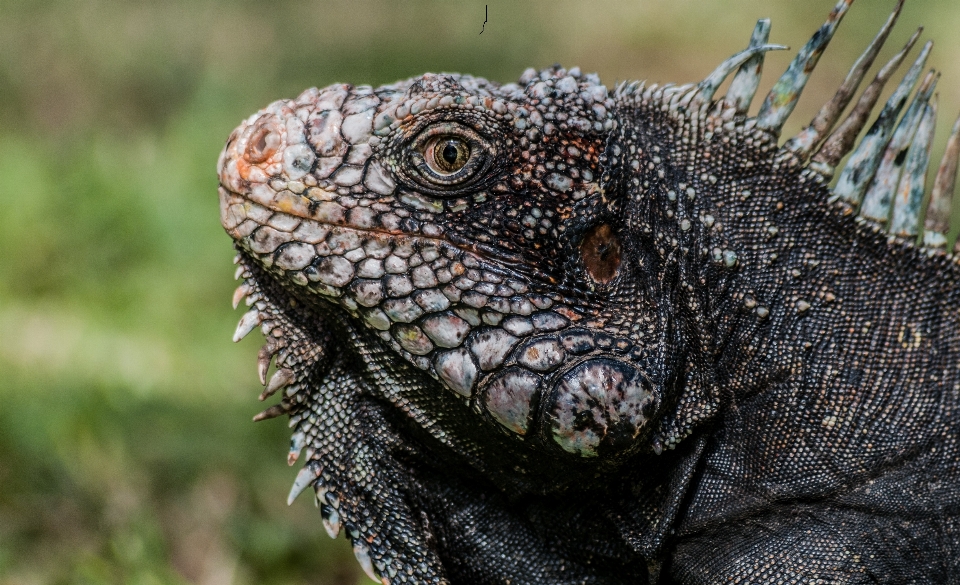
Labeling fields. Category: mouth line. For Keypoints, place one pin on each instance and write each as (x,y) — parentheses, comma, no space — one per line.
(521,271)
(506,272)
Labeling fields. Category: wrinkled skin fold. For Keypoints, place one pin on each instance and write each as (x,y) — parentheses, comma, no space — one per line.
(545,332)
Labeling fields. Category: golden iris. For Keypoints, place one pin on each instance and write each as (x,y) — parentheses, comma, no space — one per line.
(446,155)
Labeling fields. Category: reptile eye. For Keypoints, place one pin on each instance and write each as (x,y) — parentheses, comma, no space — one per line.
(446,154)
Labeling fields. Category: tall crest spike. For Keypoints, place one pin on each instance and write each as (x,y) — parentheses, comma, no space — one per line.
(865,159)
(879,197)
(941,199)
(841,142)
(708,87)
(745,82)
(804,142)
(906,209)
(781,100)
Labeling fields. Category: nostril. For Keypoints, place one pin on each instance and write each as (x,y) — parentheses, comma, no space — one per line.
(263,143)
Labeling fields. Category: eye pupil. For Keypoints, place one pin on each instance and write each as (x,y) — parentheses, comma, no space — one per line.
(450,153)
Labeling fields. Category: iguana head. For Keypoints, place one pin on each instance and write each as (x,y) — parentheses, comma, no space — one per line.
(471,228)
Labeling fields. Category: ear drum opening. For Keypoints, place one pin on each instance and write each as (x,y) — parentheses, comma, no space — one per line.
(600,251)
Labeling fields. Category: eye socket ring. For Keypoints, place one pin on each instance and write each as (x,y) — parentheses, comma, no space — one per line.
(448,156)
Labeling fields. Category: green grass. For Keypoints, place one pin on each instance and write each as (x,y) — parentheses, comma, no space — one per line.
(104,487)
(127,454)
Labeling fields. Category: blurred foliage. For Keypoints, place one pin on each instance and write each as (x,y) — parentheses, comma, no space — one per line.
(126,452)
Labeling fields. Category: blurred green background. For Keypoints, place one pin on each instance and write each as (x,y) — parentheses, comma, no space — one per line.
(127,454)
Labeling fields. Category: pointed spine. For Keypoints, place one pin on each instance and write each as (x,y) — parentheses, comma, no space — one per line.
(941,199)
(264,356)
(803,143)
(708,87)
(247,323)
(782,99)
(238,295)
(331,520)
(841,142)
(863,163)
(297,441)
(280,379)
(362,553)
(745,82)
(906,210)
(305,478)
(272,412)
(879,197)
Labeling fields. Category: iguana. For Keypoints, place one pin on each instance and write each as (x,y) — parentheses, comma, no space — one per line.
(547,332)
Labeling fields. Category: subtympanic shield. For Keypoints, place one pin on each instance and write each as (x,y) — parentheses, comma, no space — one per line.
(599,407)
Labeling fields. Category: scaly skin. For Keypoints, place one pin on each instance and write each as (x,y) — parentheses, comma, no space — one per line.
(547,333)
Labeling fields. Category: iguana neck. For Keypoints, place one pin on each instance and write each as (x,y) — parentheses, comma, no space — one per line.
(864,308)
(767,276)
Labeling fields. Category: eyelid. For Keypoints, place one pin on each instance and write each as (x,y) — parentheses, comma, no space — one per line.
(479,159)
